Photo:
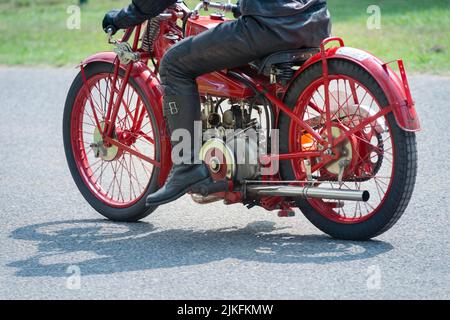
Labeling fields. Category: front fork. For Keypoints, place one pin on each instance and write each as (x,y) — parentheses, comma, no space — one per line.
(113,109)
(126,55)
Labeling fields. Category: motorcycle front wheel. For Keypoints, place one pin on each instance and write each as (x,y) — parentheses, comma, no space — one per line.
(113,181)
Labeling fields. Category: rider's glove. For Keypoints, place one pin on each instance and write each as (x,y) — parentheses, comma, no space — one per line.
(135,13)
(236,10)
(108,21)
(127,17)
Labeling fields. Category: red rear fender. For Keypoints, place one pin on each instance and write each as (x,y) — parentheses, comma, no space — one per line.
(395,88)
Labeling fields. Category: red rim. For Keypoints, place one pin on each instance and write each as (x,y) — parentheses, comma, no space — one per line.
(371,165)
(113,175)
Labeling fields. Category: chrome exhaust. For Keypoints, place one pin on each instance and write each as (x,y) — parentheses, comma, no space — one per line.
(309,192)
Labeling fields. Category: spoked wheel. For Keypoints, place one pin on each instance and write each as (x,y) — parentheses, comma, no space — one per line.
(380,157)
(116,176)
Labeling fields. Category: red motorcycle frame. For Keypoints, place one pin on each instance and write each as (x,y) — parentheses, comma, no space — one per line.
(241,84)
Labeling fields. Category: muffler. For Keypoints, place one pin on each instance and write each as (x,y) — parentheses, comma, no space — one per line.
(309,192)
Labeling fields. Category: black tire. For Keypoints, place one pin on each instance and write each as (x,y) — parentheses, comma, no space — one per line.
(405,161)
(138,210)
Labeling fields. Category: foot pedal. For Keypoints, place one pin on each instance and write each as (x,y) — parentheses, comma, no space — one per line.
(206,189)
(286,213)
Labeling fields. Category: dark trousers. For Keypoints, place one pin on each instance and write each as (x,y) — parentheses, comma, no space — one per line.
(236,43)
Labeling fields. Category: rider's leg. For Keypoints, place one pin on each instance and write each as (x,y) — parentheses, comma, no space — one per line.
(231,44)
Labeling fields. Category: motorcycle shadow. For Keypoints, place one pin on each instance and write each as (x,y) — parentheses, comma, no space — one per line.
(104,247)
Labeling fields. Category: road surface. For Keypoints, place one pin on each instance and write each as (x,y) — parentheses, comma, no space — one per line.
(53,245)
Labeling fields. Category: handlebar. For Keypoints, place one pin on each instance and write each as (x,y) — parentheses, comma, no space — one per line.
(205,4)
(166,16)
(227,7)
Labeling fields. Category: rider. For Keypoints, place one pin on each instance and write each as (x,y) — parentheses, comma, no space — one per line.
(262,27)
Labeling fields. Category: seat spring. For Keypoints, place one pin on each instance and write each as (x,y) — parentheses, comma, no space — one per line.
(150,34)
(284,71)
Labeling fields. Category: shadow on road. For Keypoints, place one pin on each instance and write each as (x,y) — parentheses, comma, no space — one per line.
(103,247)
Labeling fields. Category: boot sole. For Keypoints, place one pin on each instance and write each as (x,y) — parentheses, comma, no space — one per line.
(179,195)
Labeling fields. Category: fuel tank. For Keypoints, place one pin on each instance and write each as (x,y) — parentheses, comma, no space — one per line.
(203,23)
(216,83)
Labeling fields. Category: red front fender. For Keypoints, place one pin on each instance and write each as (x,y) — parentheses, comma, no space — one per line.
(395,88)
(152,89)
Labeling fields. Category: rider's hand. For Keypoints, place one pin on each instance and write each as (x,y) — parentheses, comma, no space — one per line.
(236,10)
(108,21)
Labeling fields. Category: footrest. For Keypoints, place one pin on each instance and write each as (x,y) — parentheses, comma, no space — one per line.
(210,188)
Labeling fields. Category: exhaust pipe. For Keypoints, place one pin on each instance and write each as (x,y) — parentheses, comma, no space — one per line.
(309,192)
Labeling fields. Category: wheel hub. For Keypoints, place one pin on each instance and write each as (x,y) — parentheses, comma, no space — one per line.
(342,166)
(106,153)
(344,149)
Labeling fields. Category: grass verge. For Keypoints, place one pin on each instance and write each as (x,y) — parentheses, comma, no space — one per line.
(35,32)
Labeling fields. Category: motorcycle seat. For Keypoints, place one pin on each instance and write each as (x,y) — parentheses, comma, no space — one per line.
(297,56)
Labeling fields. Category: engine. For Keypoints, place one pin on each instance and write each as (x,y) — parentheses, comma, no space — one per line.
(232,136)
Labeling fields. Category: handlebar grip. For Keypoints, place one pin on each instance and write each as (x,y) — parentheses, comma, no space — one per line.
(236,10)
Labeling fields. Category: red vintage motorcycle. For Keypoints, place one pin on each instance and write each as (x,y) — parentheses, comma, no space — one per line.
(345,122)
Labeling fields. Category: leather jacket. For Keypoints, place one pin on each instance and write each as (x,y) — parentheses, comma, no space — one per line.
(276,8)
(140,10)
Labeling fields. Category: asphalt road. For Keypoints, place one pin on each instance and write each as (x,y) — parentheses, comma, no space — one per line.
(53,245)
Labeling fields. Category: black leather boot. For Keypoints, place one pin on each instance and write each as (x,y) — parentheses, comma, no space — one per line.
(185,174)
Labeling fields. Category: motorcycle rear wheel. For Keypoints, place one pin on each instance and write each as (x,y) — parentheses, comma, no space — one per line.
(396,153)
